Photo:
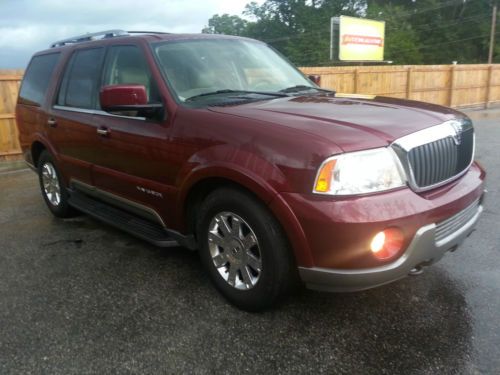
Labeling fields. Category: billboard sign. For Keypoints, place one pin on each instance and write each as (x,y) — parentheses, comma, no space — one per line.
(361,39)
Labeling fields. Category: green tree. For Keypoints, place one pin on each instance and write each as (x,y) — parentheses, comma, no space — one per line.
(401,39)
(225,24)
(440,31)
(300,29)
(417,31)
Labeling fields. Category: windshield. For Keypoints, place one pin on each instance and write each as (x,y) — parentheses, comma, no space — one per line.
(222,66)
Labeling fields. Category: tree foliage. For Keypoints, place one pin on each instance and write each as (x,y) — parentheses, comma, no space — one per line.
(226,24)
(417,31)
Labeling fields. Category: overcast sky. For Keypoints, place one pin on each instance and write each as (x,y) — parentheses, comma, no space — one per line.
(27,26)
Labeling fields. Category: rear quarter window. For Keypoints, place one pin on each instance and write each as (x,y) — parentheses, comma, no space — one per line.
(37,78)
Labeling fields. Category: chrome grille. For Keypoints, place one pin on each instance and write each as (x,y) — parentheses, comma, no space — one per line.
(433,162)
(449,226)
(435,155)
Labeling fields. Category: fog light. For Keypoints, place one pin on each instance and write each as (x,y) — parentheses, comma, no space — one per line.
(378,242)
(387,243)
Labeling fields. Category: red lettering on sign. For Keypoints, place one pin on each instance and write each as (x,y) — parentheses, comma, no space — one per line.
(361,39)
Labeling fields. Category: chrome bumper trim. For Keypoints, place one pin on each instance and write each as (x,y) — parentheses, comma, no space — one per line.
(423,250)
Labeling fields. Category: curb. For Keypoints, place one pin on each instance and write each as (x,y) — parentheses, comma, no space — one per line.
(11,166)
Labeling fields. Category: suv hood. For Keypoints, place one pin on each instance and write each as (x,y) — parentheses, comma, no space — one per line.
(351,122)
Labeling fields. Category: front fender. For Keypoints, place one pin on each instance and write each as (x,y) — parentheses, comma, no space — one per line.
(255,174)
(242,166)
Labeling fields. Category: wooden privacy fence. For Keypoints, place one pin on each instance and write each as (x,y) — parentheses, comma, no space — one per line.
(450,85)
(9,86)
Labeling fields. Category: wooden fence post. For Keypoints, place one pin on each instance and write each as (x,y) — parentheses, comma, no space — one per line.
(409,84)
(356,84)
(452,86)
(488,87)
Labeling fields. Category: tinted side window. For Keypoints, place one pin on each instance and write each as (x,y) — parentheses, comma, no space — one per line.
(80,84)
(37,78)
(127,65)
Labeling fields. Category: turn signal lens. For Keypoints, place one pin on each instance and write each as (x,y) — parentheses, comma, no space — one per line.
(325,177)
(387,243)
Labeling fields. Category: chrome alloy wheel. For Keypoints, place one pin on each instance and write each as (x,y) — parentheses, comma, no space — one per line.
(235,250)
(50,183)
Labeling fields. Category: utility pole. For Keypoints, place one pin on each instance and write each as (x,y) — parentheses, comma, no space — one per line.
(492,35)
(331,38)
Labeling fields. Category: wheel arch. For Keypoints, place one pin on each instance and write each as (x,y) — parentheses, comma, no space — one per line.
(36,149)
(38,145)
(198,188)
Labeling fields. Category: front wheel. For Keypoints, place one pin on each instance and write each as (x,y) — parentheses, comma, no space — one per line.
(244,249)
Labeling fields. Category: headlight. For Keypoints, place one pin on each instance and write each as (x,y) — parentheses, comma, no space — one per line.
(360,172)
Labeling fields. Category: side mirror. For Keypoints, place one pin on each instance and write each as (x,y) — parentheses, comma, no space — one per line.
(315,78)
(115,98)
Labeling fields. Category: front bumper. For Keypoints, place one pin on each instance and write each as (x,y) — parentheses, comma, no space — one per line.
(428,245)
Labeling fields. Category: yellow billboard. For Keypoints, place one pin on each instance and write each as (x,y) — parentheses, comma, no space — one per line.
(361,39)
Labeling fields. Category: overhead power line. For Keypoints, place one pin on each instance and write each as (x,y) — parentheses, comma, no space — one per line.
(428,9)
(433,45)
(326,30)
(442,43)
(446,24)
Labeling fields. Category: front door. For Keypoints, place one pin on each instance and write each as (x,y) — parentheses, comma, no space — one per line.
(133,156)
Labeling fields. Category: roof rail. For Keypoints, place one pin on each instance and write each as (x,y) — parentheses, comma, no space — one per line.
(89,37)
(147,32)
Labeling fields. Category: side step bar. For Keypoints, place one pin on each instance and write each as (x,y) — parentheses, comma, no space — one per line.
(137,226)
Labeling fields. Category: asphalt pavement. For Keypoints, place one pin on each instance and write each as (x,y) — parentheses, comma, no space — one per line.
(79,297)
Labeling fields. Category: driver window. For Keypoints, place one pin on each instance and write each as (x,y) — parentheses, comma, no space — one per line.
(127,65)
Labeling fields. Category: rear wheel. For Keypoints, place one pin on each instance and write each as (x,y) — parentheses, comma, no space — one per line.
(244,250)
(53,190)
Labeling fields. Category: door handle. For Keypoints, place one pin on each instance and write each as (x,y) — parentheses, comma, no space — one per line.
(52,122)
(104,132)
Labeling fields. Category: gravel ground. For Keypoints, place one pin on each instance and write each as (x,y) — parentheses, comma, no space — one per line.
(79,297)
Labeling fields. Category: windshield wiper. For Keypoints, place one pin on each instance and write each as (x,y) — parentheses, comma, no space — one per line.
(299,88)
(229,91)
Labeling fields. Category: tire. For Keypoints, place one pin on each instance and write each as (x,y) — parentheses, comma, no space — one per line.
(255,268)
(54,191)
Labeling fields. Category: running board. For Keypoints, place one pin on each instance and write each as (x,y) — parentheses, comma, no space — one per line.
(130,223)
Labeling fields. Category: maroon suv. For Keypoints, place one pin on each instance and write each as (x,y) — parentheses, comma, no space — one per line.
(218,143)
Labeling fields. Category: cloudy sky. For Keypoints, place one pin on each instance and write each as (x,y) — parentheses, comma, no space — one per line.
(27,26)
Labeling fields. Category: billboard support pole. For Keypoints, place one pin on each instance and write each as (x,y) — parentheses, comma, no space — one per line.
(334,23)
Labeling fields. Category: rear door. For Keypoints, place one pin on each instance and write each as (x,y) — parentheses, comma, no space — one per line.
(31,115)
(133,157)
(73,127)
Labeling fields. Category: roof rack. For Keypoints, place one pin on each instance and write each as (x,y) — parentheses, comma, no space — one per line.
(88,37)
(147,32)
(102,34)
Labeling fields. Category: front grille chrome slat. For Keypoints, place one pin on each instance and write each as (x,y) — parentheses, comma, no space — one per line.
(436,155)
(449,226)
(438,161)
